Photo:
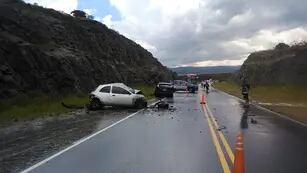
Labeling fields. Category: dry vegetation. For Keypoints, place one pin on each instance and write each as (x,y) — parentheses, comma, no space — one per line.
(290,94)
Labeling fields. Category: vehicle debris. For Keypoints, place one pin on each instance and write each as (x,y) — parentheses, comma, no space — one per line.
(221,128)
(71,106)
(161,104)
(253,121)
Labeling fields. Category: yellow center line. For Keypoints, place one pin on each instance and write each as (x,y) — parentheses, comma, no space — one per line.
(222,137)
(216,143)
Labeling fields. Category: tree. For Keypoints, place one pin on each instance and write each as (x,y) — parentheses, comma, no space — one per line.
(281,46)
(79,14)
(91,17)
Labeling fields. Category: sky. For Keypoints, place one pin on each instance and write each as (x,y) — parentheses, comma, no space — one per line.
(198,32)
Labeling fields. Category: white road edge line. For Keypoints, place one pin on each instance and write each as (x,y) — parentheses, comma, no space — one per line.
(79,142)
(265,109)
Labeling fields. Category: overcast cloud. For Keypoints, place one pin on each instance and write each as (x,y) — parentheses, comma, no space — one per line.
(209,32)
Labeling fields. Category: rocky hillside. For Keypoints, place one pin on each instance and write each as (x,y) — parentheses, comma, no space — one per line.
(48,51)
(282,65)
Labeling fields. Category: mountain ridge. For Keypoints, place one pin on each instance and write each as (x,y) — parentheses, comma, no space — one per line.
(205,70)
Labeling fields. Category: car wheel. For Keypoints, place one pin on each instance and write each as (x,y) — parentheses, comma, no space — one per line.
(170,95)
(95,104)
(157,95)
(139,104)
(191,90)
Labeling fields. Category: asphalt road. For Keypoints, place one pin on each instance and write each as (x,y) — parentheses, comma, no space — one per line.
(188,138)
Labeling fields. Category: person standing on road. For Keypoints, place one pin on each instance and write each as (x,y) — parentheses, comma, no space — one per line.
(207,86)
(245,90)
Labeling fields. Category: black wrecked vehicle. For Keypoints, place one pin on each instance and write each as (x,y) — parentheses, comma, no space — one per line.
(192,88)
(164,89)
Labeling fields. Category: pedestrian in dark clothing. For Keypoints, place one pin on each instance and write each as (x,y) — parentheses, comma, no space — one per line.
(245,90)
(207,86)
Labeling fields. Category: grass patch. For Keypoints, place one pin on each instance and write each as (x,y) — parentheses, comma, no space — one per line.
(291,94)
(37,105)
(147,90)
(21,108)
(229,87)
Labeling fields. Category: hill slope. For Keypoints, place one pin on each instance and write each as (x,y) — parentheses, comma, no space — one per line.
(47,51)
(205,70)
(282,65)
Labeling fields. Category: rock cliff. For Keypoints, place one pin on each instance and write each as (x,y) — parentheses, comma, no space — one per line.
(48,51)
(282,65)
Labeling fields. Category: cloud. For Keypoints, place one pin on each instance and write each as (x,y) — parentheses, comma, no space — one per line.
(146,45)
(60,5)
(107,20)
(265,39)
(90,11)
(203,31)
(225,62)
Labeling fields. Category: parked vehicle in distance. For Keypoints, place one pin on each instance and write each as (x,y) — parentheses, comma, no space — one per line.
(181,85)
(116,94)
(164,89)
(192,87)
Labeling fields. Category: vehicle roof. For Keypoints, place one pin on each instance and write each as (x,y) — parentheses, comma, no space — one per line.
(119,84)
(181,80)
(164,83)
(116,84)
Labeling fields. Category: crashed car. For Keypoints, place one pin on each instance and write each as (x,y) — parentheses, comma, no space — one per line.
(181,85)
(164,89)
(192,87)
(116,94)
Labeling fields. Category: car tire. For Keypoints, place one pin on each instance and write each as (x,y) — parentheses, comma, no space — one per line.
(170,95)
(139,104)
(95,104)
(191,90)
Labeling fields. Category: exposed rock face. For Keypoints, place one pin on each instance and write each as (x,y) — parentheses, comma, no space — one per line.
(283,65)
(46,50)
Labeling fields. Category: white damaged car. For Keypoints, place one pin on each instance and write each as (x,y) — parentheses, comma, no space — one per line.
(116,94)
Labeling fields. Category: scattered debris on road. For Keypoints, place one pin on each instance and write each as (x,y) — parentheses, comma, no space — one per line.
(71,106)
(163,105)
(221,128)
(253,121)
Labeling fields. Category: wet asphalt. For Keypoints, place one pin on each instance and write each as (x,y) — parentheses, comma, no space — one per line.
(179,140)
(27,142)
(272,143)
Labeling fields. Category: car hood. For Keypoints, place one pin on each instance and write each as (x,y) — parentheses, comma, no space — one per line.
(137,92)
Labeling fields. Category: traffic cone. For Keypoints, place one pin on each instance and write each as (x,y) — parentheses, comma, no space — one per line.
(239,165)
(203,99)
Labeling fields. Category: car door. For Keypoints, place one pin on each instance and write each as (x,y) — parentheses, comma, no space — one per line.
(105,94)
(121,96)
